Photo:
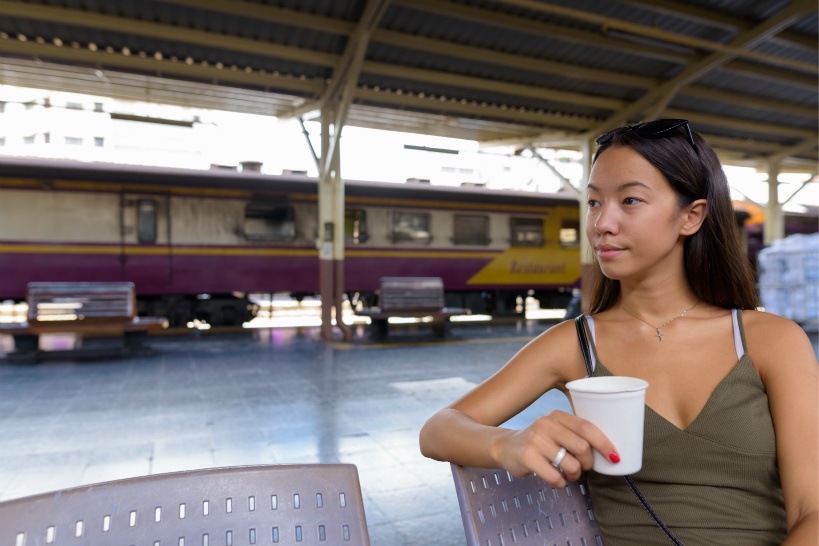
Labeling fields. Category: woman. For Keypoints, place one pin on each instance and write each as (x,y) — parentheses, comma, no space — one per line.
(730,454)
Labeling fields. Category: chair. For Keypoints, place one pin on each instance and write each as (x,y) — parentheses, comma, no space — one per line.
(313,504)
(499,510)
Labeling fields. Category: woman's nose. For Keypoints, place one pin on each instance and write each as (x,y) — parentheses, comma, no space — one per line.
(605,222)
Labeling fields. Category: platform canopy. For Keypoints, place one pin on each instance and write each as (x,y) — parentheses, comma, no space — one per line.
(519,72)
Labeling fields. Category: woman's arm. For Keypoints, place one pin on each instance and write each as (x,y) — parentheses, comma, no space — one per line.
(467,431)
(787,365)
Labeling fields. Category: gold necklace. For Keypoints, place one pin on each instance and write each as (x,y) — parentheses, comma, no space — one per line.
(658,328)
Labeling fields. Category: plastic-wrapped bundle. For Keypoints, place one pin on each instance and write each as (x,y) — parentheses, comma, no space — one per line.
(789,277)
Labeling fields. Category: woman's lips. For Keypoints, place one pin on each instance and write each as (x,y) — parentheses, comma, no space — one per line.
(607,252)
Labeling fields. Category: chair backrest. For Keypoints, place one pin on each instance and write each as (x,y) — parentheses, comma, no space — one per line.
(499,510)
(314,504)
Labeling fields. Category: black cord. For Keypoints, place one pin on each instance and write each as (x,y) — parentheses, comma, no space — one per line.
(651,512)
(584,348)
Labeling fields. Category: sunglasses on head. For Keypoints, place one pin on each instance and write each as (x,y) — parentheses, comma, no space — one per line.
(659,128)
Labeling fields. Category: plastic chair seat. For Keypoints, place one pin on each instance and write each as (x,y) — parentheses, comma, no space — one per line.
(500,510)
(315,504)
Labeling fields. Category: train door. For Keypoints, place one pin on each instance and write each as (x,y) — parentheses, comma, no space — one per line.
(145,236)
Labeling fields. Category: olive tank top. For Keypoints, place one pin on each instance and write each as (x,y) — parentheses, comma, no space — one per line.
(714,483)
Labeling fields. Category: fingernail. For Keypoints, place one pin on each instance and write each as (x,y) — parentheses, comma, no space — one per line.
(614,457)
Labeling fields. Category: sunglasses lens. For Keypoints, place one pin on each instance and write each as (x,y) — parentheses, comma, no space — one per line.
(658,128)
(605,138)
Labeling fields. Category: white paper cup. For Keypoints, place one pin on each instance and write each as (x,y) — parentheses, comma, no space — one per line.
(616,405)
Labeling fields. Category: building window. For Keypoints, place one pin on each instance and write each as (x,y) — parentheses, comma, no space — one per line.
(98,107)
(268,222)
(146,220)
(355,226)
(2,141)
(28,139)
(47,138)
(99,142)
(526,231)
(569,235)
(73,141)
(73,105)
(470,229)
(412,227)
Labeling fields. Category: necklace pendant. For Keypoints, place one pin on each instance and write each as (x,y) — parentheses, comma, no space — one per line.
(659,336)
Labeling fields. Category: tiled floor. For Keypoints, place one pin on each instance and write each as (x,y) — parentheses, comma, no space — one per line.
(267,396)
(270,396)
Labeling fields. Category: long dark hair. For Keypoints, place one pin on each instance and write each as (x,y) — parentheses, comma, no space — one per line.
(716,265)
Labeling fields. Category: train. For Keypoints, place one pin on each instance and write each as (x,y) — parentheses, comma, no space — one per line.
(199,244)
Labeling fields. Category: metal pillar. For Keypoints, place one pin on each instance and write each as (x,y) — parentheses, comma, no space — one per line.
(774,227)
(586,263)
(331,226)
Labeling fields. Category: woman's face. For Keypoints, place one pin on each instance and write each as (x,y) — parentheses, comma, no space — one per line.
(634,221)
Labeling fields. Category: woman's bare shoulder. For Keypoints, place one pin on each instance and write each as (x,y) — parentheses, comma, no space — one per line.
(558,348)
(769,327)
(772,339)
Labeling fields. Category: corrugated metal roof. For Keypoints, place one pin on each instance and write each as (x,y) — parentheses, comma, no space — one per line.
(521,71)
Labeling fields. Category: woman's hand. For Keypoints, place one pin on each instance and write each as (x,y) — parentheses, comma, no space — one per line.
(534,448)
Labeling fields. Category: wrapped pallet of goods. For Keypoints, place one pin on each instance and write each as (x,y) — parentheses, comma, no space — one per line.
(789,278)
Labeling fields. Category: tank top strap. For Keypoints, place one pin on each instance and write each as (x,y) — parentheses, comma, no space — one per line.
(739,333)
(589,320)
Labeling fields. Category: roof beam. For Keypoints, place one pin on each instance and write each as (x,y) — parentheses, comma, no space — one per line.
(521,24)
(134,87)
(169,67)
(126,26)
(716,18)
(734,49)
(662,93)
(469,82)
(432,104)
(531,64)
(272,14)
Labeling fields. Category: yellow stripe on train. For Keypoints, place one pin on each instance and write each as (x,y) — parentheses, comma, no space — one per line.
(533,266)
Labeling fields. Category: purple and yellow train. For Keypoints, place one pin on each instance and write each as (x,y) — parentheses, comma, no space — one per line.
(198,243)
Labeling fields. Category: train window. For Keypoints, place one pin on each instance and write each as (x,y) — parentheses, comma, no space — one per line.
(146,221)
(569,234)
(411,227)
(526,231)
(267,222)
(355,226)
(470,229)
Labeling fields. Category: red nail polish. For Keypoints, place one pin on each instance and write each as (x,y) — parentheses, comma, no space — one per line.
(614,457)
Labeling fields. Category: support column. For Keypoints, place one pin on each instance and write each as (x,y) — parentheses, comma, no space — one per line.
(331,228)
(586,262)
(774,227)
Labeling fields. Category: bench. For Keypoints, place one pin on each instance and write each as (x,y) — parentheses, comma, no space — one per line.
(83,308)
(410,297)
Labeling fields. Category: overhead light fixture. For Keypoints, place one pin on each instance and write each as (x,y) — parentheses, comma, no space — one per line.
(428,149)
(146,119)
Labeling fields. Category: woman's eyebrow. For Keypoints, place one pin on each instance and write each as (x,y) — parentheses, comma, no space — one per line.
(621,187)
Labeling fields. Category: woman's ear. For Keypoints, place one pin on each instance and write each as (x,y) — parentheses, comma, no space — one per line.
(693,217)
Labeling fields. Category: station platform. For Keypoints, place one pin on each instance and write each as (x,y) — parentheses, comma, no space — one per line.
(260,396)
